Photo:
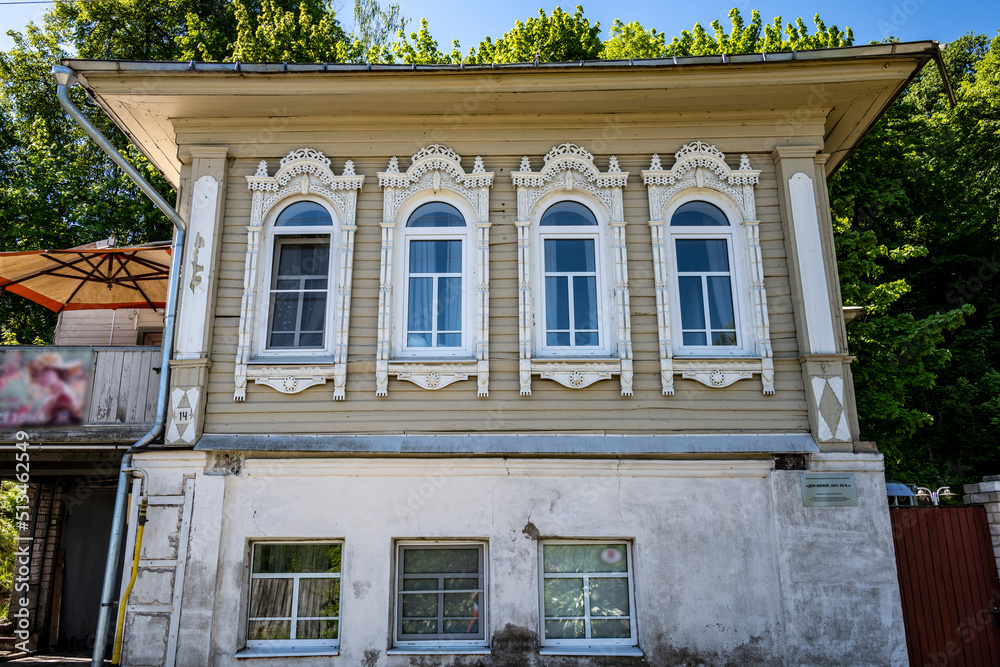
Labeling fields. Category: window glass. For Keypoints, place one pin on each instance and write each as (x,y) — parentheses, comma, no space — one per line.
(568,214)
(704,282)
(571,316)
(586,594)
(299,289)
(295,595)
(699,214)
(434,296)
(304,214)
(440,594)
(436,214)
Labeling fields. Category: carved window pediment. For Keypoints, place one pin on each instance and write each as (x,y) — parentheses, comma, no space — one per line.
(302,175)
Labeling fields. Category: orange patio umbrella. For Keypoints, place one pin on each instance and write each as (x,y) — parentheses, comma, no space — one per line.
(89,277)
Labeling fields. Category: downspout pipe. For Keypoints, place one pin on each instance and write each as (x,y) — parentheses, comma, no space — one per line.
(66,79)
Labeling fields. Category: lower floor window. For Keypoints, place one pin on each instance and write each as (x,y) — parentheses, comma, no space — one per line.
(440,594)
(587,594)
(295,595)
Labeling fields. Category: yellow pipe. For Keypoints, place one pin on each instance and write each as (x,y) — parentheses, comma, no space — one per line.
(116,656)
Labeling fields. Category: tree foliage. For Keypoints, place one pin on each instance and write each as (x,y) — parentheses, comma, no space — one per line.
(559,37)
(917,212)
(631,40)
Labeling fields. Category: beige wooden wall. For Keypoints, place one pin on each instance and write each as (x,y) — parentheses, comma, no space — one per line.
(370,142)
(106,327)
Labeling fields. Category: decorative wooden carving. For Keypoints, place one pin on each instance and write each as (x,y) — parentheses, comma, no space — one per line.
(570,167)
(435,167)
(290,379)
(700,165)
(304,171)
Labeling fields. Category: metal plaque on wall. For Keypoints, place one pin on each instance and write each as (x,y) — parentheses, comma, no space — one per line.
(829,489)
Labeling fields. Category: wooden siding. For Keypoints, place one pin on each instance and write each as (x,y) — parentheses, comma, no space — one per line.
(740,408)
(105,327)
(124,385)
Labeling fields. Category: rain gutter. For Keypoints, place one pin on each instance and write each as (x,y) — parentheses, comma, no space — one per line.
(66,79)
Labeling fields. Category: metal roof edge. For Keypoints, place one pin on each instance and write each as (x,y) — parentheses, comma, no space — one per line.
(926,48)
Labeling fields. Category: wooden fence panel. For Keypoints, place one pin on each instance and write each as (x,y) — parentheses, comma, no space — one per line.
(948,585)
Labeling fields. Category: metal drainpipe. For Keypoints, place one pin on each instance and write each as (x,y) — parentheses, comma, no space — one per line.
(66,79)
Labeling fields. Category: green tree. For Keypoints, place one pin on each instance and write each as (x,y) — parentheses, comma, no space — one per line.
(924,187)
(307,33)
(559,37)
(631,40)
(57,188)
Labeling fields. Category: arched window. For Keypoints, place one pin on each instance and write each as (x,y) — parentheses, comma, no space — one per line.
(570,245)
(299,285)
(434,242)
(703,247)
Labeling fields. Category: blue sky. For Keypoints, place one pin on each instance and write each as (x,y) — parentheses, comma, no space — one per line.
(469,22)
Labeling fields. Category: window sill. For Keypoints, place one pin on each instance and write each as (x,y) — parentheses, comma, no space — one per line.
(304,359)
(623,651)
(286,652)
(455,650)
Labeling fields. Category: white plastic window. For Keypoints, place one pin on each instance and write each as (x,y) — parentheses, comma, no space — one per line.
(587,594)
(435,312)
(294,595)
(571,251)
(702,241)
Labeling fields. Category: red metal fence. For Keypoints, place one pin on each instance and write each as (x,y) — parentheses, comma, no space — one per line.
(948,584)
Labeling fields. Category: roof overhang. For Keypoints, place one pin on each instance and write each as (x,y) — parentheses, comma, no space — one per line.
(846,89)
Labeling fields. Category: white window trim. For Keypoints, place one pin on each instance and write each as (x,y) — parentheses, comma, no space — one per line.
(587,646)
(701,173)
(735,237)
(605,294)
(303,174)
(273,236)
(435,174)
(569,173)
(292,647)
(438,646)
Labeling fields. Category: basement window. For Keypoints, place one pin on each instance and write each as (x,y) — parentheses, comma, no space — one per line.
(588,606)
(294,606)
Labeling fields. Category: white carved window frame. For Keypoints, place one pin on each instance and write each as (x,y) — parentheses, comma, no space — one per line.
(435,174)
(700,173)
(303,175)
(569,173)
